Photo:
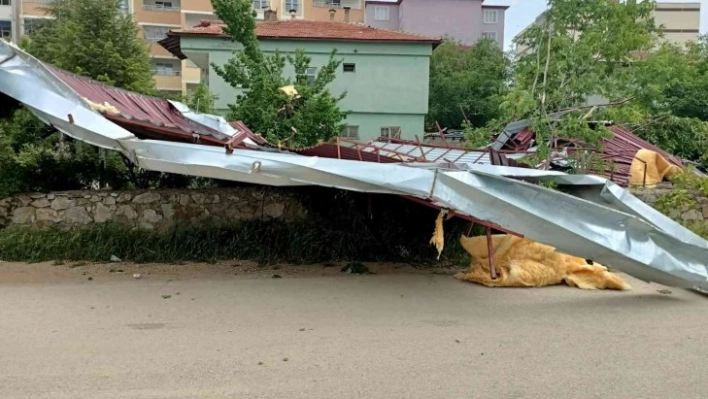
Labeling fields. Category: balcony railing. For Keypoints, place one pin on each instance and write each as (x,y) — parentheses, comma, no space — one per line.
(336,4)
(155,7)
(163,72)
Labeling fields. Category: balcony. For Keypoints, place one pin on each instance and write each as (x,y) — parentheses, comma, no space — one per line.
(159,12)
(199,6)
(155,7)
(167,79)
(337,4)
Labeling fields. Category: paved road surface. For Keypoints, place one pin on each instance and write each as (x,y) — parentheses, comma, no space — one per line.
(321,334)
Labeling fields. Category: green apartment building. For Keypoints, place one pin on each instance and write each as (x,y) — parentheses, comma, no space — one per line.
(384,73)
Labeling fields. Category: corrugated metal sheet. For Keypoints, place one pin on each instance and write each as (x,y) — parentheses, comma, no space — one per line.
(618,151)
(150,116)
(408,152)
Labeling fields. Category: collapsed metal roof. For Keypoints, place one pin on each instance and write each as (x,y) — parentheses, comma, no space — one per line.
(594,219)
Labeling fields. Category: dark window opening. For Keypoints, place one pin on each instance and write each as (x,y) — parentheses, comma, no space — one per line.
(349,67)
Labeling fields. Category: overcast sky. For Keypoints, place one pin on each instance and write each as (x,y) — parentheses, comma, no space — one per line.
(523,12)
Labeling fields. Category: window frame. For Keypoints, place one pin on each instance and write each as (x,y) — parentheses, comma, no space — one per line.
(263,4)
(487,13)
(393,132)
(350,64)
(287,8)
(382,9)
(6,30)
(311,74)
(346,133)
(495,35)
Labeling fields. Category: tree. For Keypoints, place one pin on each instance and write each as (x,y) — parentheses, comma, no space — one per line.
(670,107)
(201,100)
(579,49)
(466,83)
(305,119)
(675,80)
(93,38)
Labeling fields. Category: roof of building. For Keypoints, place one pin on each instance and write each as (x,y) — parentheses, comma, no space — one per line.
(300,30)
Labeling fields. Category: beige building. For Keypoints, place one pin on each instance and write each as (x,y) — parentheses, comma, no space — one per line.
(680,23)
(157,17)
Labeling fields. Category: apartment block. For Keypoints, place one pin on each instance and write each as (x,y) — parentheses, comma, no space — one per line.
(157,17)
(7,12)
(465,21)
(679,22)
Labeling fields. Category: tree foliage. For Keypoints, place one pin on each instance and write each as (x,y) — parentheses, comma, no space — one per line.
(674,80)
(466,84)
(93,38)
(304,120)
(201,99)
(579,48)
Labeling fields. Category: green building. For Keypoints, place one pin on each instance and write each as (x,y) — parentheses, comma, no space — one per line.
(384,73)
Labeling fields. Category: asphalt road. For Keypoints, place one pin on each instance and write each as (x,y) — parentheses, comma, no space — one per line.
(205,332)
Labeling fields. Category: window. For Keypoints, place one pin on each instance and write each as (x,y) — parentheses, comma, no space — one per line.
(155,33)
(292,5)
(32,24)
(491,17)
(165,68)
(490,35)
(381,13)
(351,132)
(124,7)
(261,4)
(6,30)
(311,74)
(349,67)
(391,132)
(5,3)
(163,4)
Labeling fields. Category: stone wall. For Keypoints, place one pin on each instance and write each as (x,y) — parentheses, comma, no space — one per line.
(687,214)
(148,209)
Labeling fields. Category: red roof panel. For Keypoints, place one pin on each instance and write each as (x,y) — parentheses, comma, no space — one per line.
(312,30)
(150,116)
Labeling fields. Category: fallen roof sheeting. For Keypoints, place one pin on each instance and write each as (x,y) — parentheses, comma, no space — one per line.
(601,221)
(618,151)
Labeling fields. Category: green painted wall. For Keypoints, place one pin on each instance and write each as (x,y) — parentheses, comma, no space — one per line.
(389,87)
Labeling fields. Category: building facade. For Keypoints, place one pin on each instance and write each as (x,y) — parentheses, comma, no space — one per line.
(157,17)
(465,21)
(679,22)
(385,74)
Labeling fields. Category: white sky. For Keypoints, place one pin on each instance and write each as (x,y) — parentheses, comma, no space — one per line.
(523,12)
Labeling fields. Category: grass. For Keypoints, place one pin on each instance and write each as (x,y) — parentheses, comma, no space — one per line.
(340,226)
(265,241)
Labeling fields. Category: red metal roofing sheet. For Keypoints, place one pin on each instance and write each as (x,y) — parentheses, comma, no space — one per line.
(151,111)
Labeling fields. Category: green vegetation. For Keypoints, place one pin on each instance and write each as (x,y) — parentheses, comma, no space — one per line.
(580,49)
(687,187)
(304,120)
(93,38)
(466,84)
(339,227)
